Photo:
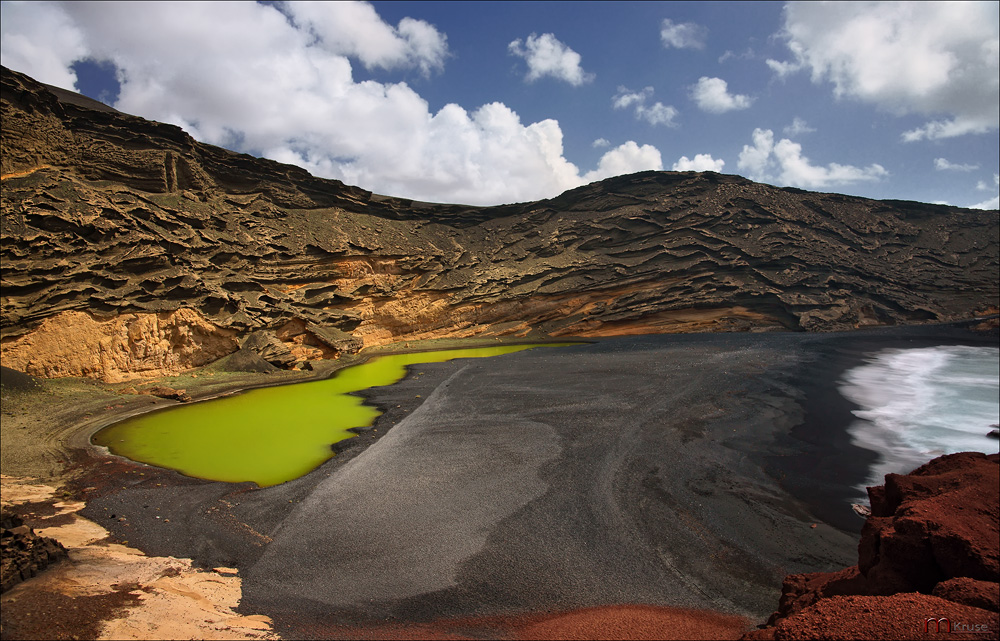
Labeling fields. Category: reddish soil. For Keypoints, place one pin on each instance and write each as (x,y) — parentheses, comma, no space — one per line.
(37,614)
(606,622)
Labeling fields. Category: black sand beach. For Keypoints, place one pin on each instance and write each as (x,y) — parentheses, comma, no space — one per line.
(674,470)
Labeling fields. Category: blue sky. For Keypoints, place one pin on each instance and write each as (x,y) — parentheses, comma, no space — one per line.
(491,102)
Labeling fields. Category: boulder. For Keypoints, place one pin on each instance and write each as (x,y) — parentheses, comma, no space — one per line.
(929,548)
(978,594)
(270,348)
(163,391)
(246,360)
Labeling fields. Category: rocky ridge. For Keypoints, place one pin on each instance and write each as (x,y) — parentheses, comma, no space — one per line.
(929,551)
(130,249)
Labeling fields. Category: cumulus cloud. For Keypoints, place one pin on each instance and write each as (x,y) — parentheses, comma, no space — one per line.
(626,98)
(546,56)
(936,58)
(798,127)
(655,114)
(943,164)
(712,95)
(600,142)
(701,162)
(355,29)
(784,164)
(627,158)
(683,35)
(40,37)
(277,81)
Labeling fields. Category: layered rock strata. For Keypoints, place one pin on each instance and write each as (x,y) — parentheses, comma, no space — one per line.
(117,232)
(929,551)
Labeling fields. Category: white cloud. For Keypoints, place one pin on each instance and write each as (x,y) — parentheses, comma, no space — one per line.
(627,158)
(982,185)
(952,128)
(798,127)
(246,76)
(40,37)
(600,142)
(747,54)
(783,163)
(756,158)
(783,68)
(701,162)
(546,56)
(992,203)
(626,98)
(684,35)
(934,58)
(655,114)
(712,95)
(355,29)
(989,203)
(943,164)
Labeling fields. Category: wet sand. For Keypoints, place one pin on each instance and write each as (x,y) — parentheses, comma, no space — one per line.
(680,471)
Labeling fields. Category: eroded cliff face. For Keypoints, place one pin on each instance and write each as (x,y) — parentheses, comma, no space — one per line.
(119,347)
(111,217)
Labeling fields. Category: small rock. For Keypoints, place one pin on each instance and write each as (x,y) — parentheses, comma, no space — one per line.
(168,392)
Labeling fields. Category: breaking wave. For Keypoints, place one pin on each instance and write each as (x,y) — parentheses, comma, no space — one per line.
(916,404)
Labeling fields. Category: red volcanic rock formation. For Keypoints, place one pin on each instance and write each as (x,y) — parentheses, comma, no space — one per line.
(930,550)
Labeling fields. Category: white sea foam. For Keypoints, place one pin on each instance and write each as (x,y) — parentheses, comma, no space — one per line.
(920,403)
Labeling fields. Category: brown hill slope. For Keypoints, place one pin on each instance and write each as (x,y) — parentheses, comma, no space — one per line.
(130,249)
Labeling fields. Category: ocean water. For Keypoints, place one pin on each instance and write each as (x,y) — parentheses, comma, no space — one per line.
(916,404)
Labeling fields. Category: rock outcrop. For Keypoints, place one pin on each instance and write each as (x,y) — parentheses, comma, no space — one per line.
(25,553)
(930,550)
(126,222)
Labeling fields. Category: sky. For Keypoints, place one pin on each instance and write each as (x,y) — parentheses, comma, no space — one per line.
(496,102)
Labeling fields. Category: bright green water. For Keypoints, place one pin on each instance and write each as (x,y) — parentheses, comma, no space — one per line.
(268,435)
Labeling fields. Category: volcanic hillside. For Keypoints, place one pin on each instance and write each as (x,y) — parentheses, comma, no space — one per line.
(129,249)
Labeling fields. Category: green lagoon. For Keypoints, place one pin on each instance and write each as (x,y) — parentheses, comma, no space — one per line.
(268,435)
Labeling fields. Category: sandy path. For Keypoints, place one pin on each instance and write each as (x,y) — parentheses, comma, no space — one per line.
(156,597)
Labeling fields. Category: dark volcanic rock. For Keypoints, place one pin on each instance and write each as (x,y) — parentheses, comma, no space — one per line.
(106,215)
(24,553)
(935,531)
(270,349)
(246,360)
(11,379)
